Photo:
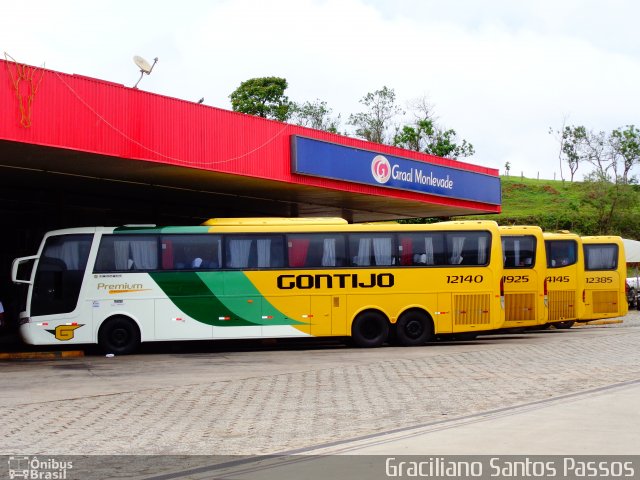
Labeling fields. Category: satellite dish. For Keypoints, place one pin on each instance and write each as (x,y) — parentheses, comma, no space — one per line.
(142,63)
(145,68)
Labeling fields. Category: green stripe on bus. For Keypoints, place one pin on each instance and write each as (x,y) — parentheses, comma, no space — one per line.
(194,294)
(189,293)
(237,288)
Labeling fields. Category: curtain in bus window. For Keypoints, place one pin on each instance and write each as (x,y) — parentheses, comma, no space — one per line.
(363,258)
(144,254)
(329,252)
(601,258)
(298,248)
(504,252)
(457,244)
(68,252)
(516,252)
(121,251)
(167,254)
(428,251)
(264,252)
(406,249)
(239,251)
(382,251)
(482,250)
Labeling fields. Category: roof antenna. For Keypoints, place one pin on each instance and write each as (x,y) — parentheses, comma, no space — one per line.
(144,66)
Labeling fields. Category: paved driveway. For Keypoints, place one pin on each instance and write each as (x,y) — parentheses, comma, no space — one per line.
(256,399)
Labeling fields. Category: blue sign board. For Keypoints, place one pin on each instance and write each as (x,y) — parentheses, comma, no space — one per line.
(339,162)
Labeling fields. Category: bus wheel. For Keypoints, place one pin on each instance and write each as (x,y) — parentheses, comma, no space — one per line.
(413,328)
(370,329)
(119,335)
(564,325)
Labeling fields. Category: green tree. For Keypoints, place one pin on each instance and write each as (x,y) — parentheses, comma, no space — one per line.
(373,124)
(507,168)
(625,145)
(595,150)
(612,156)
(612,202)
(572,146)
(573,139)
(425,136)
(263,97)
(314,115)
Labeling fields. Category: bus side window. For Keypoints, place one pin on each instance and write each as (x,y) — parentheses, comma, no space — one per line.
(421,249)
(253,251)
(191,252)
(119,253)
(371,249)
(315,250)
(468,248)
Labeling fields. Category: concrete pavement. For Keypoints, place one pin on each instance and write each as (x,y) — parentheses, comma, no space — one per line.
(600,421)
(550,392)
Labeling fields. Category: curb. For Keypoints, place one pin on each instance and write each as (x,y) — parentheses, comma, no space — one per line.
(602,322)
(41,355)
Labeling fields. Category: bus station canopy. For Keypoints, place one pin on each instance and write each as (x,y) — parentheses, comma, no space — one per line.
(97,148)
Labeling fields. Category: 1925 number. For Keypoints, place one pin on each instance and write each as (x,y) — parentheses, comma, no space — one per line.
(516,279)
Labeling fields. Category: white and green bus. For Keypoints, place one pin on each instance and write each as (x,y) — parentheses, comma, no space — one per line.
(262,278)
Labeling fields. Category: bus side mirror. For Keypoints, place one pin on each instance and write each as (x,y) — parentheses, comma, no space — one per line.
(15,266)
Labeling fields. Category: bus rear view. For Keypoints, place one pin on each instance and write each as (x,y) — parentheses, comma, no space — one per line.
(565,266)
(605,275)
(525,282)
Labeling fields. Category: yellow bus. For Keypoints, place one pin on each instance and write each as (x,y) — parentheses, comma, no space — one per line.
(525,276)
(262,278)
(605,275)
(565,278)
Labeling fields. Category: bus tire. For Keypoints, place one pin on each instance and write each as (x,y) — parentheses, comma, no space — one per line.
(564,325)
(119,335)
(413,328)
(370,329)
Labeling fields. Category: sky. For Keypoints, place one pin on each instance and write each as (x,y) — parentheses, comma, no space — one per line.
(501,73)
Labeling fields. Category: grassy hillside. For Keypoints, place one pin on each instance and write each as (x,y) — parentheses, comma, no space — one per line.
(586,208)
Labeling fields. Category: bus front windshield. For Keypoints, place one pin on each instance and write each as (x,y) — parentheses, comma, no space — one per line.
(59,274)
